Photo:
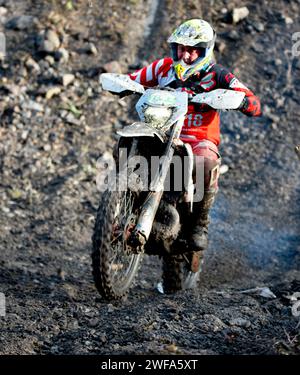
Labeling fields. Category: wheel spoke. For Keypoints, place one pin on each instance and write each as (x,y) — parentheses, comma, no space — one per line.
(121,262)
(116,238)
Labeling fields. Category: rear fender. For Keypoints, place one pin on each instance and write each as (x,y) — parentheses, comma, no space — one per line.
(189,188)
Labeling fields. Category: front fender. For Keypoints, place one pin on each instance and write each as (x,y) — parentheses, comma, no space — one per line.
(140,129)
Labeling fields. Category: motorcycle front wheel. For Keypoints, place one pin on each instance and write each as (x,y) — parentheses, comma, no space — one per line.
(114,265)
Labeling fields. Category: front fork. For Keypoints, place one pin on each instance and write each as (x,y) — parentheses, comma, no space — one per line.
(144,224)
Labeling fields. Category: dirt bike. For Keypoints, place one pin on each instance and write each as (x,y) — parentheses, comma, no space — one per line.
(141,210)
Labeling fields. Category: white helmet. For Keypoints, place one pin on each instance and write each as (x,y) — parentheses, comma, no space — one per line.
(195,33)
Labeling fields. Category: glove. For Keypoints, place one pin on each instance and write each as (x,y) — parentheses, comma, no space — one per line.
(250,106)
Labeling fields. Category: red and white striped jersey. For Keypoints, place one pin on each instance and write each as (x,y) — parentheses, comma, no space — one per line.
(159,73)
(202,121)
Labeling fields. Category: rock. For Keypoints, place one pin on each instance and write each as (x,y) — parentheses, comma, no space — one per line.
(53,91)
(258,26)
(275,118)
(70,118)
(103,338)
(73,324)
(47,46)
(52,37)
(24,135)
(258,47)
(297,150)
(260,291)
(266,109)
(171,348)
(55,349)
(23,72)
(93,322)
(267,293)
(15,194)
(67,79)
(33,106)
(63,114)
(112,67)
(274,126)
(48,41)
(233,35)
(91,48)
(32,64)
(6,210)
(50,59)
(250,29)
(220,46)
(70,290)
(61,274)
(224,169)
(240,322)
(14,89)
(213,323)
(55,18)
(238,14)
(89,92)
(160,287)
(110,308)
(3,11)
(62,55)
(20,23)
(44,65)
(288,20)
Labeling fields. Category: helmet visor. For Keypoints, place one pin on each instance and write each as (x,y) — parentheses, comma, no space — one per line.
(178,49)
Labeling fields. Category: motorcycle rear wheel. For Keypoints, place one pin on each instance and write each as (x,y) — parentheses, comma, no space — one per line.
(177,274)
(114,266)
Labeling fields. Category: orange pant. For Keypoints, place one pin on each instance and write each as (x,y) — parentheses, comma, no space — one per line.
(210,159)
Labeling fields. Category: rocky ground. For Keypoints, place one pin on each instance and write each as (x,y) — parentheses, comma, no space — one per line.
(56,122)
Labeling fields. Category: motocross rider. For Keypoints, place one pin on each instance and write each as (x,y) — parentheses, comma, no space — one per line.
(191,68)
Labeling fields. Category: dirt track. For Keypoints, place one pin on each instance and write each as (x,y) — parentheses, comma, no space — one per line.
(48,194)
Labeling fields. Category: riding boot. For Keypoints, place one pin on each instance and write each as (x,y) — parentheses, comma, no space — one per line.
(198,240)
